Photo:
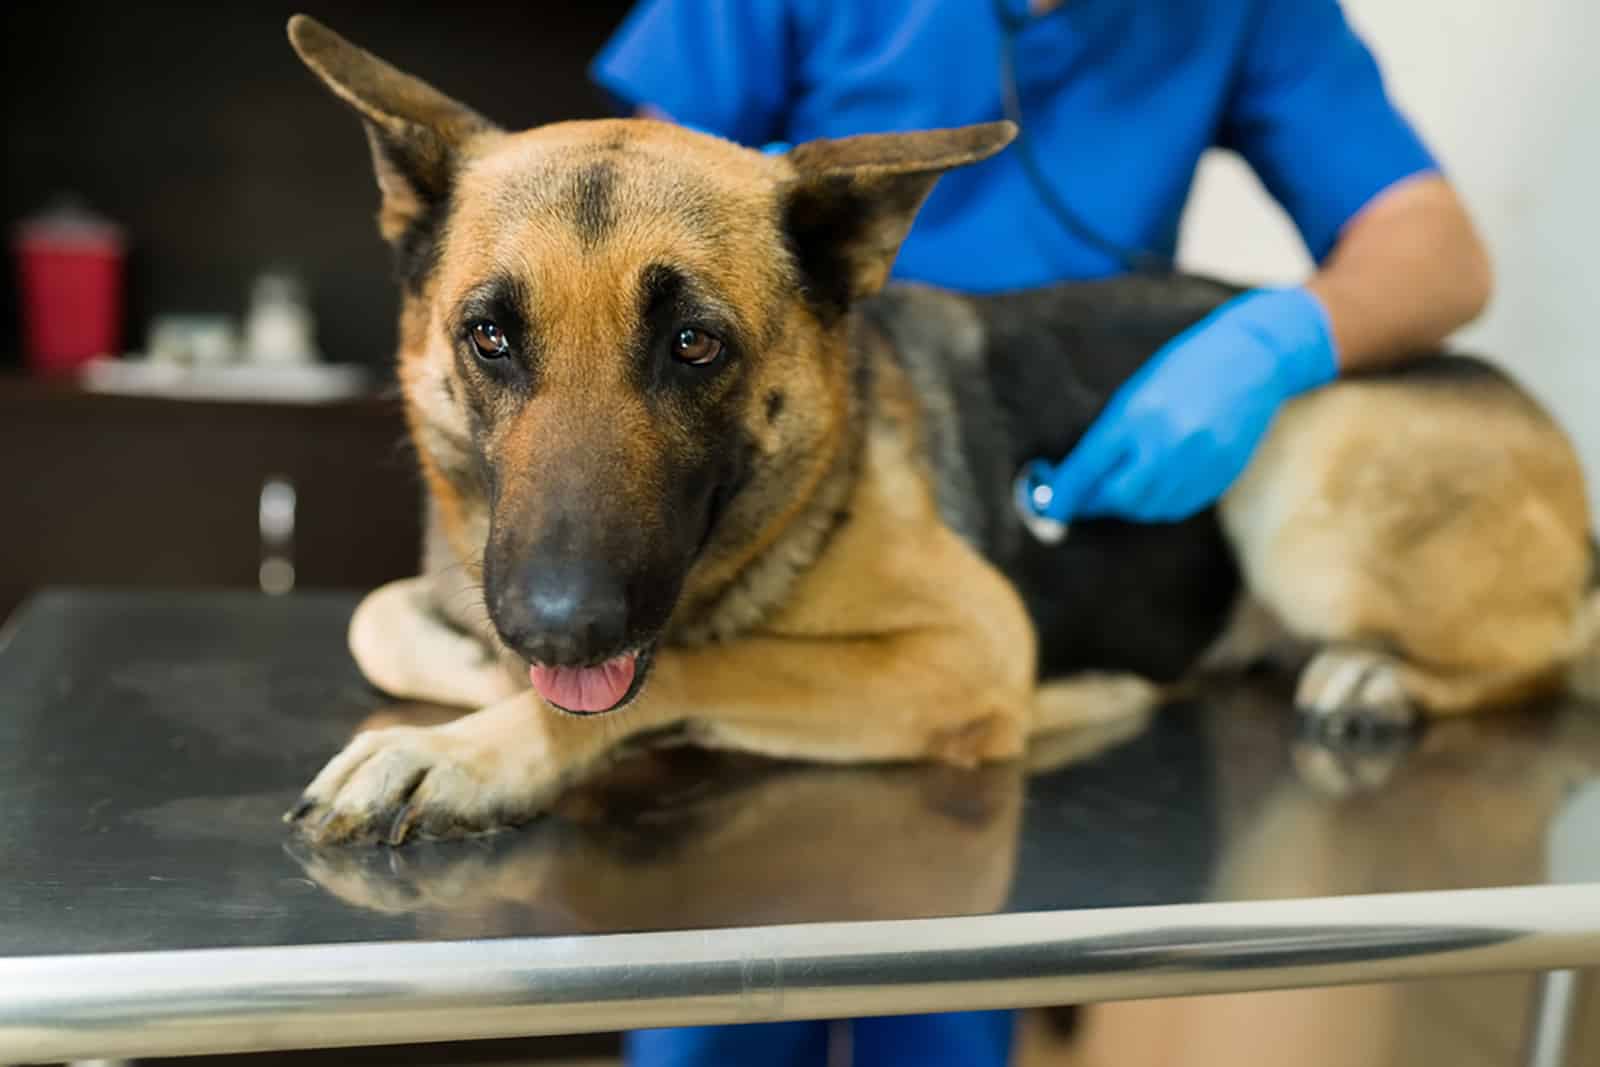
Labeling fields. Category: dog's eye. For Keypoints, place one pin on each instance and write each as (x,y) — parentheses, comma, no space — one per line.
(695,347)
(488,341)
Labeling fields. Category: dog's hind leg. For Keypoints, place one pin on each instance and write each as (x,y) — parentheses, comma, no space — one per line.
(1584,681)
(1091,699)
(1430,538)
(1358,690)
(1078,717)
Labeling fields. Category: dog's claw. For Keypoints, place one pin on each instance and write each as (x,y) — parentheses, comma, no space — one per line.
(321,830)
(298,812)
(401,783)
(401,825)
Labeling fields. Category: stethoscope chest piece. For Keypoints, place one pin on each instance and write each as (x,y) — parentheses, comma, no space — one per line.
(1031,495)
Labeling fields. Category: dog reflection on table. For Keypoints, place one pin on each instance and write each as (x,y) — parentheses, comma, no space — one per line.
(1471,804)
(681,838)
(675,837)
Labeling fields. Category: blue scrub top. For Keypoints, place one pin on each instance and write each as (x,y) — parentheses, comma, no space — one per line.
(1119,98)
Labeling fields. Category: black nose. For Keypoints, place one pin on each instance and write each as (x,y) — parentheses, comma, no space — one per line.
(563,613)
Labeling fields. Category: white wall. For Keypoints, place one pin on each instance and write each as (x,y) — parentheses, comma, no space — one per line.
(1508,97)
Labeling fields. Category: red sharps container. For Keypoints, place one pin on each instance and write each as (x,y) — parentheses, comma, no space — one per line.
(70,265)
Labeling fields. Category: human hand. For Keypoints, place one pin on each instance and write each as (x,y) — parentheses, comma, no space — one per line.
(1178,433)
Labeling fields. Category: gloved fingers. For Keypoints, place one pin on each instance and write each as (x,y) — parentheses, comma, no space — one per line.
(1096,455)
(1180,500)
(1126,491)
(1200,471)
(1194,474)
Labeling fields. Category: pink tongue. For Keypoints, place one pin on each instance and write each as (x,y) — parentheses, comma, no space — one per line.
(586,688)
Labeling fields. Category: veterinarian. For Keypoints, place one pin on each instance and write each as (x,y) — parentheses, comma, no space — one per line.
(1116,101)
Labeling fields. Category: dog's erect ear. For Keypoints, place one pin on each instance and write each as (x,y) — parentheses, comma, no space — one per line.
(416,132)
(855,198)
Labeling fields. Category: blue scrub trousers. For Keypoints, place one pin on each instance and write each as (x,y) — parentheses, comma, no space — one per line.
(955,1039)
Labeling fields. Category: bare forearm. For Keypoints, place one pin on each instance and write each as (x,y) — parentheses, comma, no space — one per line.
(1407,271)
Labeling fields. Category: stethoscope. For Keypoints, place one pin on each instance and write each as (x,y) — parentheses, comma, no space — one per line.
(1030,492)
(1030,496)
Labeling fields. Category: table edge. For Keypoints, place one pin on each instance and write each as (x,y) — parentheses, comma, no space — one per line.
(373,993)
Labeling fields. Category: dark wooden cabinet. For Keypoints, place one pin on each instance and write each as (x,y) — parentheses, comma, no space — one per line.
(136,491)
(197,129)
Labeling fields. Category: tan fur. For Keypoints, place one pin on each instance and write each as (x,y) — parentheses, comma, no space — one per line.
(1442,525)
(1584,679)
(832,640)
(867,658)
(832,615)
(729,593)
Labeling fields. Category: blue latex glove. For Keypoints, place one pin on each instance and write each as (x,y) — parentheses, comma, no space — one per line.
(1176,435)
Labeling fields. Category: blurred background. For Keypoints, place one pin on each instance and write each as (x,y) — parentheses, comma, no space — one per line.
(1507,97)
(260,444)
(244,204)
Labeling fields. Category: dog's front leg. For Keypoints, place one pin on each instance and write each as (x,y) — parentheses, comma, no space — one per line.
(407,647)
(497,767)
(907,696)
(913,695)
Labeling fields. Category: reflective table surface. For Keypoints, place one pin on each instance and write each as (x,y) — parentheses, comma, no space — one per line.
(151,901)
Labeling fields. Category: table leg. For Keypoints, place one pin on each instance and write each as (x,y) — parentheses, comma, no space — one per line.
(1555,1007)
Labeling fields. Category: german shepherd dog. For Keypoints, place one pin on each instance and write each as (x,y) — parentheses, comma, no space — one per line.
(693,468)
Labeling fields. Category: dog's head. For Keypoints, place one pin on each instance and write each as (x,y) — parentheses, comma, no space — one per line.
(622,345)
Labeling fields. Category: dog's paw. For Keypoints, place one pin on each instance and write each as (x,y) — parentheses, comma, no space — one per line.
(1356,722)
(1347,693)
(420,781)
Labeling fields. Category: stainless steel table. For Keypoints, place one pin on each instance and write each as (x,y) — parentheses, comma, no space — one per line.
(152,903)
